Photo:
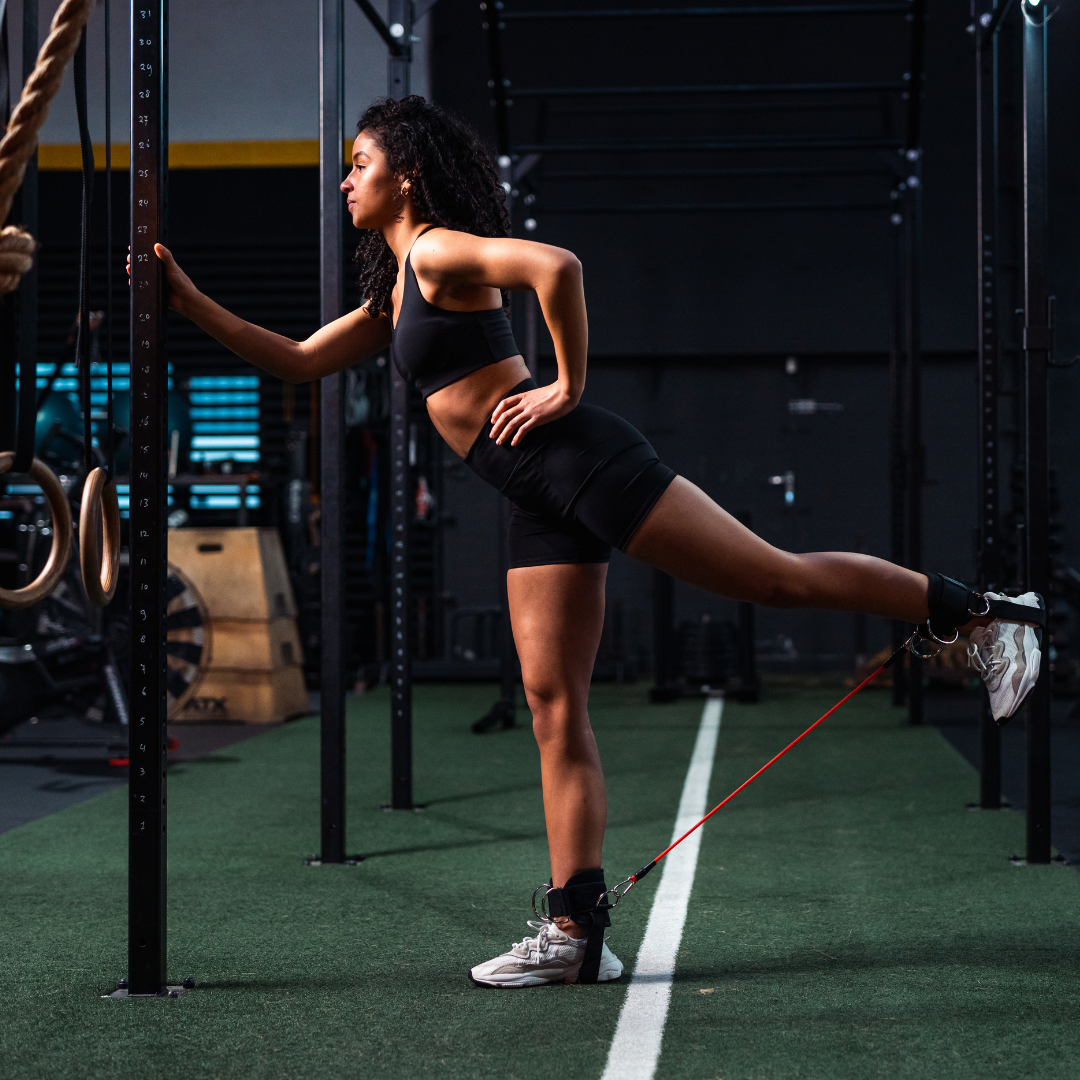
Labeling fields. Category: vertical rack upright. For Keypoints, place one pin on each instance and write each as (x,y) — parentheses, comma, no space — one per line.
(399,15)
(148,537)
(331,440)
(987,21)
(1038,347)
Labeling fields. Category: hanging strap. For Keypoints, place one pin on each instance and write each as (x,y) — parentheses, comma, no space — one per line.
(18,410)
(109,437)
(82,342)
(8,323)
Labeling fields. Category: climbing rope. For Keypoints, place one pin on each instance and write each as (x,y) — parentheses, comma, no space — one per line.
(17,246)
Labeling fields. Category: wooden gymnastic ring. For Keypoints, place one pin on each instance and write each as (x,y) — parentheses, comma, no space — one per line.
(99,562)
(49,578)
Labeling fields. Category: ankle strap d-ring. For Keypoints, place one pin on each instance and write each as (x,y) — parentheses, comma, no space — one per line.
(99,555)
(59,553)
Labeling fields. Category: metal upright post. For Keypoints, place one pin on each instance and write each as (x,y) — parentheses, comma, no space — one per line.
(399,19)
(897,437)
(988,343)
(332,438)
(1038,346)
(400,599)
(912,240)
(666,687)
(149,538)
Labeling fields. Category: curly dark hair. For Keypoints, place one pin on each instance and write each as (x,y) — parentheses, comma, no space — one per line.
(454,182)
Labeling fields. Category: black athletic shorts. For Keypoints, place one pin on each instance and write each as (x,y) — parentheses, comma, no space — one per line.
(580,485)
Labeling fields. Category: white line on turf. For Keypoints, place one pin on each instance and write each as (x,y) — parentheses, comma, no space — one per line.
(635,1049)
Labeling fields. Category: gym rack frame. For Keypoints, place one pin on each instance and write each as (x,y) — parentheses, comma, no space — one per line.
(148,545)
(902,159)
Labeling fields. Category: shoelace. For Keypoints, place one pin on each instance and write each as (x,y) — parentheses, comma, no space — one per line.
(993,665)
(537,944)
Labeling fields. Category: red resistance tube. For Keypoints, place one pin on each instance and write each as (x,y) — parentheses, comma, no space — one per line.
(634,878)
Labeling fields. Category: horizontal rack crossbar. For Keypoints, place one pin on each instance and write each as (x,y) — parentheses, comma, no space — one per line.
(695,174)
(748,143)
(706,12)
(723,88)
(707,208)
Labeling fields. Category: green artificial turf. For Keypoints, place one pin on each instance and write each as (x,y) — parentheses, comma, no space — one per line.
(850,917)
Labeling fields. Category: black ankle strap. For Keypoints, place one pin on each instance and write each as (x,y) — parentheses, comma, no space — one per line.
(953,604)
(581,900)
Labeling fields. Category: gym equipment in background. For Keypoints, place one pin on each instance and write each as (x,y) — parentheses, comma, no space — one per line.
(256,672)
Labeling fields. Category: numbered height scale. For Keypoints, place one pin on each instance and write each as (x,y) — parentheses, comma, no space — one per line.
(148,535)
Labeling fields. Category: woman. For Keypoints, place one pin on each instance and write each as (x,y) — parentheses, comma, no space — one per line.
(435,266)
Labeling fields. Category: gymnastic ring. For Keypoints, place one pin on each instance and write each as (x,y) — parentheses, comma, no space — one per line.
(59,553)
(99,562)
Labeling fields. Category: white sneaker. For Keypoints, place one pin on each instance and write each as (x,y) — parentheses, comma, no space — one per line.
(550,957)
(1007,657)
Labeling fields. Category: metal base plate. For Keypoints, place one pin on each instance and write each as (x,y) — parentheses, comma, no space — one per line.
(1019,860)
(350,860)
(173,990)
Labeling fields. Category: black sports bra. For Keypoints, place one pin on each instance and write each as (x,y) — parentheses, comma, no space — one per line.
(432,347)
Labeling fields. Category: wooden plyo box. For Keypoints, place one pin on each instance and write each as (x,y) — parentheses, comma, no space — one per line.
(255,671)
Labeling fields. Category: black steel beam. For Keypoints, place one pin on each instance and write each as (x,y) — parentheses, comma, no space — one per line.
(497,81)
(911,208)
(993,23)
(706,174)
(787,10)
(400,599)
(916,74)
(399,62)
(897,436)
(382,29)
(825,142)
(666,687)
(148,534)
(401,607)
(704,208)
(1038,347)
(989,359)
(331,440)
(728,88)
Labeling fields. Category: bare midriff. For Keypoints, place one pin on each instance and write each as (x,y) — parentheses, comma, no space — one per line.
(460,411)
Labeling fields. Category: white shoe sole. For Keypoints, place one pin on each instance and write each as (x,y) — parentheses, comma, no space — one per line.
(520,982)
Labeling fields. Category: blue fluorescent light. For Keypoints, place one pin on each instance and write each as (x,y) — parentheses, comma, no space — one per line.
(228,412)
(222,502)
(224,397)
(224,455)
(225,427)
(225,442)
(224,382)
(221,489)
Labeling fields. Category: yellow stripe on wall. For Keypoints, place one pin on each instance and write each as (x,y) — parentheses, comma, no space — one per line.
(277,153)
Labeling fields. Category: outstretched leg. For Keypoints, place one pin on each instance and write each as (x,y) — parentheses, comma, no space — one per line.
(557,614)
(688,536)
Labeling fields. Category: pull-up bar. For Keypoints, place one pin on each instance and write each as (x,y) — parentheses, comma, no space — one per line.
(867,142)
(730,88)
(708,12)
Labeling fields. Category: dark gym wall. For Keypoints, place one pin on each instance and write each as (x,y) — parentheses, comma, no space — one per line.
(692,316)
